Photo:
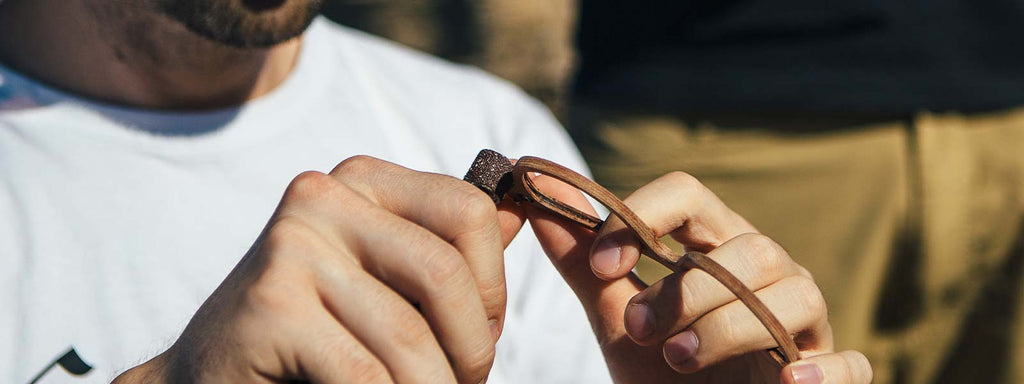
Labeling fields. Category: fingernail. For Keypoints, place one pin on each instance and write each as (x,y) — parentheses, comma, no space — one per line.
(639,321)
(607,256)
(494,328)
(806,374)
(681,349)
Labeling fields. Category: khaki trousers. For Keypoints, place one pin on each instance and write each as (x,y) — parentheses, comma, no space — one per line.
(911,226)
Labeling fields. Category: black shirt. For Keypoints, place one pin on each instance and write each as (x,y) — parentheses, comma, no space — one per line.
(889,56)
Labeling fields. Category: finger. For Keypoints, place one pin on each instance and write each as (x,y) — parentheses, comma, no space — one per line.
(411,260)
(434,275)
(332,355)
(390,327)
(289,319)
(675,204)
(454,210)
(368,311)
(673,303)
(567,245)
(848,367)
(383,321)
(732,330)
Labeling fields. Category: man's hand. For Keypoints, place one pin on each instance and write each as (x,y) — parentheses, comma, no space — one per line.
(370,274)
(688,327)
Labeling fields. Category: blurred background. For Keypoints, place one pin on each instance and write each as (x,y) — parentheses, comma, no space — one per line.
(879,143)
(528,42)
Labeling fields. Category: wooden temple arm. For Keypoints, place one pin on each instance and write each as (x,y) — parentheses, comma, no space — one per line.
(495,175)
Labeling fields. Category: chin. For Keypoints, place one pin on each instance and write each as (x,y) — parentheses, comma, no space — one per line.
(243,23)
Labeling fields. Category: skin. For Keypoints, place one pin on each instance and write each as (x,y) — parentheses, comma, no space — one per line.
(692,305)
(127,53)
(355,280)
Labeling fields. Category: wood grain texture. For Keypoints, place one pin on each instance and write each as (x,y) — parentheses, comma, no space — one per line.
(524,190)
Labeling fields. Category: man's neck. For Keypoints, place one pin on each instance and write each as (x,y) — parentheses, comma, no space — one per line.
(122,53)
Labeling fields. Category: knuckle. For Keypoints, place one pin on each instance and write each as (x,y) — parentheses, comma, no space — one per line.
(760,244)
(477,362)
(727,336)
(844,372)
(360,365)
(847,372)
(688,307)
(369,371)
(468,213)
(307,185)
(682,180)
(687,186)
(267,296)
(767,255)
(412,331)
(858,367)
(287,235)
(494,294)
(357,164)
(804,272)
(285,250)
(443,267)
(811,298)
(474,209)
(270,287)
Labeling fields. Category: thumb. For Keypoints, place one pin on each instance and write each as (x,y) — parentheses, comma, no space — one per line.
(568,246)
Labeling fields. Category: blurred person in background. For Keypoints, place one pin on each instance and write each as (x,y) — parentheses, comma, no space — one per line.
(878,142)
(144,145)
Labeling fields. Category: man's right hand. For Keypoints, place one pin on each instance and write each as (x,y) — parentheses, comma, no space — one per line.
(370,274)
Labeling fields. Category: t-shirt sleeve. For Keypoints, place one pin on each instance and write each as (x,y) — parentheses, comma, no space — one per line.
(547,337)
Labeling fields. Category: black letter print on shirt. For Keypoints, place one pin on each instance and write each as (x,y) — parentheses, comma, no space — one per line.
(71,363)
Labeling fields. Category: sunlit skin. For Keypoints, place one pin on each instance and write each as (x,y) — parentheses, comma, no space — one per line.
(332,292)
(132,53)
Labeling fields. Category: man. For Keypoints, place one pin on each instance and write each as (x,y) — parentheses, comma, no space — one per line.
(144,144)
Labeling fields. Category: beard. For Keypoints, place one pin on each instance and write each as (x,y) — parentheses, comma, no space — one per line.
(243,23)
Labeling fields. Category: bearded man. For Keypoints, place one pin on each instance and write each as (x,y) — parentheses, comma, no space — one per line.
(145,144)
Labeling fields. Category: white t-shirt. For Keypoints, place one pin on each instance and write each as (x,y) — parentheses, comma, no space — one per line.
(116,223)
